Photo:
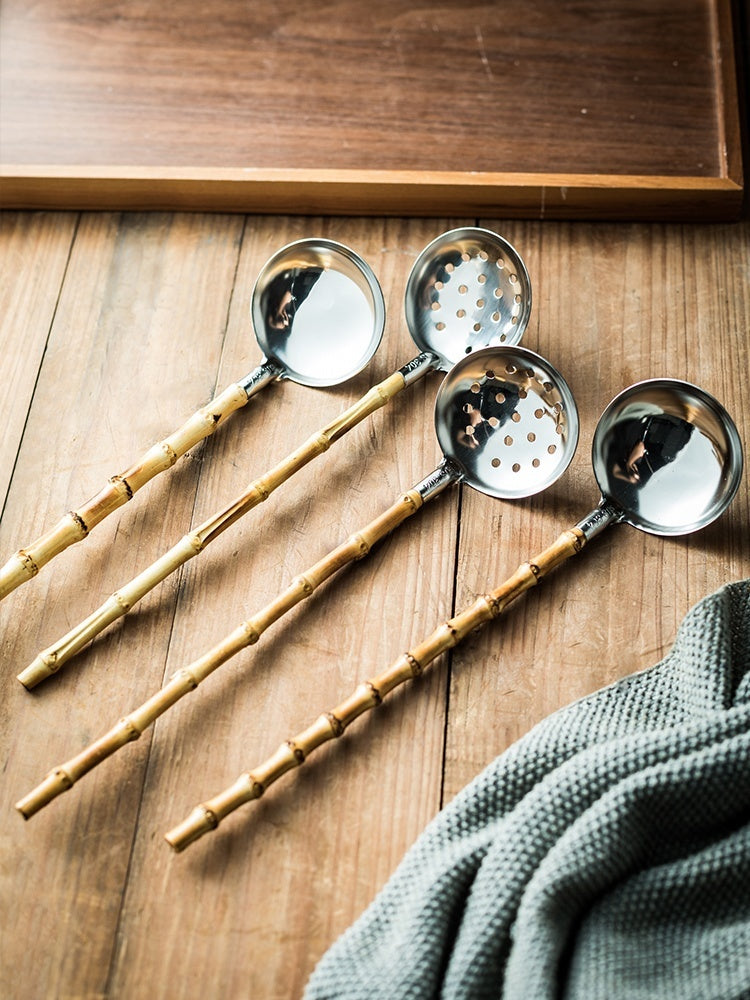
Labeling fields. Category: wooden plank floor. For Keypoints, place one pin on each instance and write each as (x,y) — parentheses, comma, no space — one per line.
(113,329)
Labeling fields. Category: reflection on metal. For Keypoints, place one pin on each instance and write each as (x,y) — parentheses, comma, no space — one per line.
(508,421)
(318,312)
(668,456)
(468,289)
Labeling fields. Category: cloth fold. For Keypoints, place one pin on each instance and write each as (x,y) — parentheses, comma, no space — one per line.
(605,854)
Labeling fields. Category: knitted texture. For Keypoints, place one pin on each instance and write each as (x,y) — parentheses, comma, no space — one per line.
(604,855)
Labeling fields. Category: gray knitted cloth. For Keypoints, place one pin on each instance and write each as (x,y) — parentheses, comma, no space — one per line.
(604,855)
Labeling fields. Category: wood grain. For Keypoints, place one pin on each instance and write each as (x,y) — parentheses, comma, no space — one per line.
(567,109)
(149,315)
(36,249)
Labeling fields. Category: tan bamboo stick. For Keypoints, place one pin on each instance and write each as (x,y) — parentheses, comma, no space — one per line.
(186,680)
(77,524)
(118,604)
(330,725)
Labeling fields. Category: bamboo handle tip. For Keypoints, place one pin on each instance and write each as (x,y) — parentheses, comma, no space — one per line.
(53,785)
(192,828)
(35,673)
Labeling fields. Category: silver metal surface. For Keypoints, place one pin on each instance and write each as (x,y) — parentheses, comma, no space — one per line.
(468,289)
(668,456)
(507,420)
(318,312)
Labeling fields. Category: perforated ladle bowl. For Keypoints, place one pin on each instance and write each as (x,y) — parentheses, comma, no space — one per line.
(468,289)
(318,314)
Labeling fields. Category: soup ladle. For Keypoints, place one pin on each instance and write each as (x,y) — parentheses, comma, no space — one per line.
(507,425)
(667,459)
(318,315)
(467,289)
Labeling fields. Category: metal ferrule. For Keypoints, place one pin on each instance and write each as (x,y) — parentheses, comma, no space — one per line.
(599,519)
(434,484)
(419,366)
(268,371)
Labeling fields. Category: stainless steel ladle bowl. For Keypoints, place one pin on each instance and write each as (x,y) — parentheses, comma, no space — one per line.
(318,314)
(667,457)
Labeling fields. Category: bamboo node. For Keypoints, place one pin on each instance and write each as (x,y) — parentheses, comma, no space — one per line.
(536,572)
(361,544)
(122,602)
(49,660)
(169,451)
(376,695)
(304,584)
(210,817)
(261,489)
(299,753)
(196,542)
(337,726)
(28,566)
(63,778)
(186,674)
(409,499)
(79,522)
(129,728)
(256,787)
(415,666)
(323,440)
(493,604)
(120,481)
(251,632)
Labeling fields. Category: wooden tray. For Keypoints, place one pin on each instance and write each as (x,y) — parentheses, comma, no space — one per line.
(599,109)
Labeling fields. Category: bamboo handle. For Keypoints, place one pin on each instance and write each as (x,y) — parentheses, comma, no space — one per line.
(61,778)
(123,600)
(330,725)
(76,524)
